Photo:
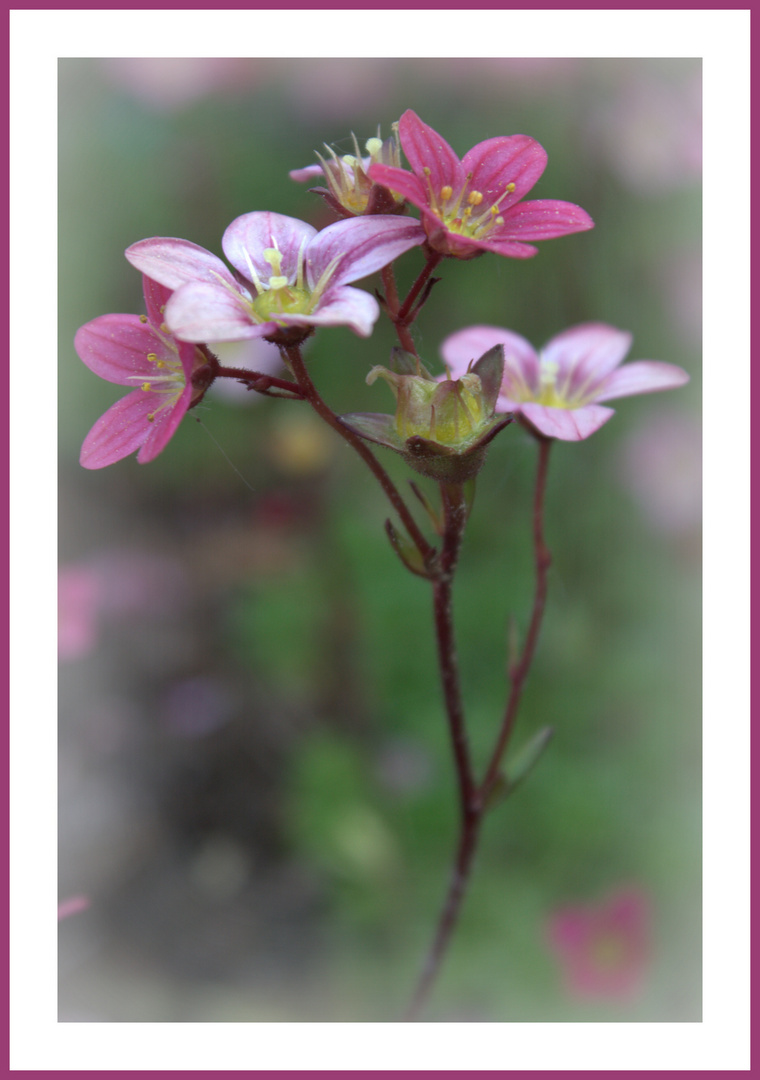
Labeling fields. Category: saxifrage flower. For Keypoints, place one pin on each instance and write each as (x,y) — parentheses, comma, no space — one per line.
(288,277)
(138,351)
(604,948)
(559,390)
(473,205)
(350,191)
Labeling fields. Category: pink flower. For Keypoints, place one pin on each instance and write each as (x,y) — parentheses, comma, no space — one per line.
(72,906)
(473,205)
(558,392)
(604,949)
(139,351)
(78,596)
(288,275)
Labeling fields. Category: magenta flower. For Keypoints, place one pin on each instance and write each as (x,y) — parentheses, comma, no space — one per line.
(604,949)
(288,276)
(558,392)
(138,351)
(473,205)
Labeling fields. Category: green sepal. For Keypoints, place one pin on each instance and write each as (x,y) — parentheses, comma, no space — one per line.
(405,363)
(377,427)
(490,371)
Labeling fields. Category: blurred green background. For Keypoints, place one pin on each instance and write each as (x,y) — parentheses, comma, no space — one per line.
(256,789)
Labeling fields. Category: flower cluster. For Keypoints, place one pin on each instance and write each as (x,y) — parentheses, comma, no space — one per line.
(287,279)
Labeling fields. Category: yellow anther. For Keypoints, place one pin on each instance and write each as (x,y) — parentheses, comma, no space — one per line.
(143,318)
(475,198)
(446,191)
(426,170)
(145,386)
(160,363)
(510,188)
(152,358)
(151,416)
(500,220)
(164,328)
(373,146)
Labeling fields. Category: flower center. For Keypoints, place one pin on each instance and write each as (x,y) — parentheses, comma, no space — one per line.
(284,294)
(463,211)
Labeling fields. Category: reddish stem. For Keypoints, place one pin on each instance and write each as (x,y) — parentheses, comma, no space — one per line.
(474,799)
(519,672)
(402,316)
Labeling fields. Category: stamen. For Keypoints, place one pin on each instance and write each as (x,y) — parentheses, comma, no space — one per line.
(143,318)
(446,192)
(152,358)
(373,146)
(475,198)
(145,386)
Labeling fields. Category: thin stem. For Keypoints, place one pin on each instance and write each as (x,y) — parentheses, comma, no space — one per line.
(311,394)
(474,799)
(257,380)
(454,520)
(519,672)
(404,315)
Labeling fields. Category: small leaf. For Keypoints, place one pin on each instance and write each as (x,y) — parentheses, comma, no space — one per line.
(521,764)
(407,552)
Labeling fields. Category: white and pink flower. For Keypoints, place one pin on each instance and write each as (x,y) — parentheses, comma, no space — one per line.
(286,275)
(559,391)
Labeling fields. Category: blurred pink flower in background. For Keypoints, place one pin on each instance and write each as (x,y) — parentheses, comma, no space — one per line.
(72,906)
(168,83)
(604,949)
(78,597)
(649,129)
(661,465)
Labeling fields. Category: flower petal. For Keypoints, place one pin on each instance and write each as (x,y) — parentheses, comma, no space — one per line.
(249,235)
(641,377)
(204,312)
(156,299)
(364,245)
(116,347)
(174,262)
(163,427)
(119,431)
(520,358)
(402,182)
(542,219)
(342,307)
(426,149)
(584,355)
(310,172)
(571,425)
(508,159)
